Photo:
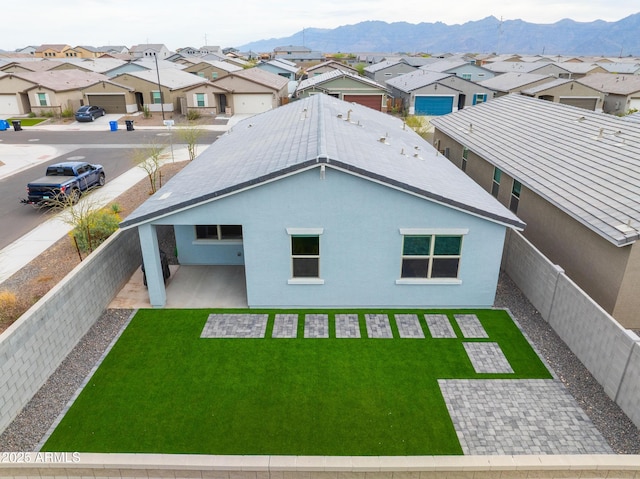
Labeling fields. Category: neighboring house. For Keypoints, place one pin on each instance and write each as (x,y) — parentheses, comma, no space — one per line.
(580,69)
(572,175)
(347,87)
(28,50)
(172,82)
(386,70)
(111,96)
(460,68)
(538,68)
(568,92)
(205,98)
(431,93)
(619,67)
(86,51)
(98,65)
(622,91)
(51,51)
(150,50)
(113,50)
(253,91)
(331,65)
(290,50)
(43,92)
(514,82)
(30,66)
(212,70)
(321,208)
(279,66)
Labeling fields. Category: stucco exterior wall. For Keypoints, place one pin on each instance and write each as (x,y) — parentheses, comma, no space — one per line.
(360,243)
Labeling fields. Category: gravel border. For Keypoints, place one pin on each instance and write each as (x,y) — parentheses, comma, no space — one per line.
(26,431)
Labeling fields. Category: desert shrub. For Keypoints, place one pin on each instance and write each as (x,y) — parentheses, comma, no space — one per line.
(31,114)
(10,307)
(67,113)
(145,112)
(193,115)
(95,228)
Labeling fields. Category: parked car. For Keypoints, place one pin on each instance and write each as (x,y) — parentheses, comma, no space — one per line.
(89,113)
(64,182)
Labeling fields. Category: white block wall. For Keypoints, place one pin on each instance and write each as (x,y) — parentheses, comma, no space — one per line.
(34,346)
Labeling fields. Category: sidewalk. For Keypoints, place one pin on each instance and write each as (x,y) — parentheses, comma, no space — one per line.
(17,157)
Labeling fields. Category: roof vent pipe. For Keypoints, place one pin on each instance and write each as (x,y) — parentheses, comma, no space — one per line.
(470,127)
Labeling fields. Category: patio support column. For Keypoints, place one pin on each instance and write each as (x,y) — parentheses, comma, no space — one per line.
(152,266)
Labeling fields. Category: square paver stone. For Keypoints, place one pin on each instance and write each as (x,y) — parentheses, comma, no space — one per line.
(409,326)
(316,326)
(487,358)
(378,326)
(235,326)
(285,326)
(347,326)
(439,326)
(470,326)
(519,416)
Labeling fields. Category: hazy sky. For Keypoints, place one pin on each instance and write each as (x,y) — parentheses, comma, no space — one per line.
(237,22)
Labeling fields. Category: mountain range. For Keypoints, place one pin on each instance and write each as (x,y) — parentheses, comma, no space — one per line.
(489,35)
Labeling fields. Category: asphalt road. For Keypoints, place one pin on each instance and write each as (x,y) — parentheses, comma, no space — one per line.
(113,150)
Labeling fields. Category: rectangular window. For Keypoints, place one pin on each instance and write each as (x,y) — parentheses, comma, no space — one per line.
(431,256)
(156,98)
(465,158)
(515,196)
(219,232)
(495,185)
(214,75)
(479,98)
(466,76)
(200,100)
(305,256)
(42,99)
(201,74)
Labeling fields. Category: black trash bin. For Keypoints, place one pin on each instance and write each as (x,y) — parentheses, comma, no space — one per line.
(164,262)
(17,125)
(129,124)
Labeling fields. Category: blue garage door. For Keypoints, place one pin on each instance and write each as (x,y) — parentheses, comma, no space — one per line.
(433,105)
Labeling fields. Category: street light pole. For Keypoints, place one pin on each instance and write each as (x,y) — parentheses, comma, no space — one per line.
(155,55)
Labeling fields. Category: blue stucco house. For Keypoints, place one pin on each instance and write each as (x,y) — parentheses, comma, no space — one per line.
(331,204)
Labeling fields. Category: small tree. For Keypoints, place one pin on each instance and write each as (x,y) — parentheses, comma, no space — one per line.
(149,159)
(190,134)
(417,124)
(360,68)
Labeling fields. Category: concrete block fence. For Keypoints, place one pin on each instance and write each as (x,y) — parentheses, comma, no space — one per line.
(610,352)
(34,346)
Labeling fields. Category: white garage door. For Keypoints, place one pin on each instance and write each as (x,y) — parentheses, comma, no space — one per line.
(634,104)
(9,105)
(252,103)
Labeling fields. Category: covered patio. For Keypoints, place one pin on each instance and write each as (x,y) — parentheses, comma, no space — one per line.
(190,287)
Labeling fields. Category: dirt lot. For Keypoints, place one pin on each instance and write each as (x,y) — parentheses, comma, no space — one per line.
(28,285)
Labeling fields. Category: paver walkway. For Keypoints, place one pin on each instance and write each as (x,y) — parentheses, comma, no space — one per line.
(505,417)
(490,416)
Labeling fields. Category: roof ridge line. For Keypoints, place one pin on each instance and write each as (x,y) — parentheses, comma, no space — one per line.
(322,137)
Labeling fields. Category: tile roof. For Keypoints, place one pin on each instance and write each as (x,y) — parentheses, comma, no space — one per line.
(332,75)
(172,79)
(511,81)
(612,83)
(545,86)
(376,67)
(262,77)
(62,80)
(315,131)
(585,163)
(418,79)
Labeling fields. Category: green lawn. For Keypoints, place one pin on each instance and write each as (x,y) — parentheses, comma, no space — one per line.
(162,389)
(27,121)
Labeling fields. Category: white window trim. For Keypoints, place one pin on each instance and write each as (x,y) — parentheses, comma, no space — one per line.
(427,232)
(205,98)
(304,232)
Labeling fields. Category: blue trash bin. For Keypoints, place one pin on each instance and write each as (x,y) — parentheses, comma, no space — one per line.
(113,125)
(4,125)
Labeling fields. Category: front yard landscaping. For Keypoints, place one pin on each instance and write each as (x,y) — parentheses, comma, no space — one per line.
(164,389)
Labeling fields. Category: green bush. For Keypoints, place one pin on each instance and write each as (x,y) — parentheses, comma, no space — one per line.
(95,228)
(31,114)
(193,115)
(145,112)
(67,113)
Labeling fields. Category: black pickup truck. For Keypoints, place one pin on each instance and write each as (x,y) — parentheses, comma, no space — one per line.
(64,183)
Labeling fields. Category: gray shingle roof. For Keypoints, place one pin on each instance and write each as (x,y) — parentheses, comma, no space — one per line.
(316,131)
(511,81)
(612,83)
(332,75)
(585,163)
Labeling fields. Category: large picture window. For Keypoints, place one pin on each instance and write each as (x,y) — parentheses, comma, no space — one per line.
(431,256)
(218,232)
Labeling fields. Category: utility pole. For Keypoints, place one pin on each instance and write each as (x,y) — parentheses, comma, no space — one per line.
(155,55)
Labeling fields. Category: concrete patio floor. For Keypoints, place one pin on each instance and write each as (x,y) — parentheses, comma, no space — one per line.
(190,287)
